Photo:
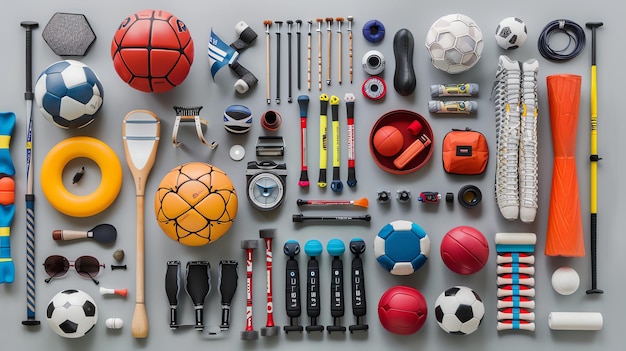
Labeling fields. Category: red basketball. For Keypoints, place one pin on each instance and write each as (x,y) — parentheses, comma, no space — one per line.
(152,51)
(402,310)
(388,141)
(464,250)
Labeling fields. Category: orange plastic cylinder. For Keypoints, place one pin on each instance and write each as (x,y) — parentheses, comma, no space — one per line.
(564,236)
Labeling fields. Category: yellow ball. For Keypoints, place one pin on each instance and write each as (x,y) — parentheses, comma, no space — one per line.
(195,204)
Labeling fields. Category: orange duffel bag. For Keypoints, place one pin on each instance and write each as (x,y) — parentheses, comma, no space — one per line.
(465,152)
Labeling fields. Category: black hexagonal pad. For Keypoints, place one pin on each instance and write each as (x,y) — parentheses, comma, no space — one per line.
(69,34)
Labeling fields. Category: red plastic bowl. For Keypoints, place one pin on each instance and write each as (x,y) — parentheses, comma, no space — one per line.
(401,119)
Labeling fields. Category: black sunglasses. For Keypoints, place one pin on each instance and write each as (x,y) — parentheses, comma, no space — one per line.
(86,266)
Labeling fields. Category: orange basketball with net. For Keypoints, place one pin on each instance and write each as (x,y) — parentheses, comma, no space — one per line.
(195,204)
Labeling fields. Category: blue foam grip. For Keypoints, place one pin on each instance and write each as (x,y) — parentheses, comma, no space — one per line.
(313,248)
(7,271)
(335,247)
(7,124)
(373,31)
(7,268)
(6,215)
(303,102)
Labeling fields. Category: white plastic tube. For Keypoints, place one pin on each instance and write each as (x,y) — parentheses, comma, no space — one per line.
(575,320)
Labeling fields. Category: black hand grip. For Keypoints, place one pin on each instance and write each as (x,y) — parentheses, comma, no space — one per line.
(404,76)
(334,108)
(350,109)
(359,307)
(227,286)
(172,288)
(324,104)
(336,289)
(313,289)
(293,305)
(228,280)
(198,287)
(29,25)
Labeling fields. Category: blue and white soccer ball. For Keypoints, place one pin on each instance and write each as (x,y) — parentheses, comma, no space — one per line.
(72,313)
(459,310)
(402,247)
(68,93)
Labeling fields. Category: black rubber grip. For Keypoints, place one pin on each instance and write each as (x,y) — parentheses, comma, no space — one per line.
(594,256)
(172,282)
(404,76)
(29,26)
(350,109)
(228,280)
(198,287)
(313,289)
(337,306)
(334,108)
(359,307)
(293,305)
(172,288)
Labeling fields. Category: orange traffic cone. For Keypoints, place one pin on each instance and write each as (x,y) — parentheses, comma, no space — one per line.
(565,230)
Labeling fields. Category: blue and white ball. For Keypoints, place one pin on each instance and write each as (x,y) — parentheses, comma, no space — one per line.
(237,119)
(402,247)
(68,93)
(72,313)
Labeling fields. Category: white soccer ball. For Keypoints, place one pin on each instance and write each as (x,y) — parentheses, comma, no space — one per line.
(511,33)
(402,247)
(68,94)
(459,310)
(455,43)
(72,313)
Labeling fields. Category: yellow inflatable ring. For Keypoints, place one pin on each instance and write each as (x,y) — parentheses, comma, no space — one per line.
(52,176)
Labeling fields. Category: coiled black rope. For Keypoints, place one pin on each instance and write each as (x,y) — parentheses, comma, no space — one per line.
(574,32)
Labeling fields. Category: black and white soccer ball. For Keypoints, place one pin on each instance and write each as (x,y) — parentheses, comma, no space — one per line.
(72,313)
(68,94)
(459,310)
(511,33)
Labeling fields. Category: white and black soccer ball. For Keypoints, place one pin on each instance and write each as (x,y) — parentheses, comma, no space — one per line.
(402,247)
(459,310)
(72,313)
(68,94)
(511,33)
(455,43)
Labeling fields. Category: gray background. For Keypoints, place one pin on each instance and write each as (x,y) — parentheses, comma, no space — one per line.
(198,89)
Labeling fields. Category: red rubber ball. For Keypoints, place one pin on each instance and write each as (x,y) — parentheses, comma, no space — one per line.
(388,141)
(464,250)
(402,310)
(152,51)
